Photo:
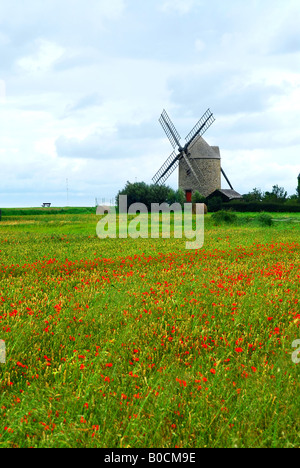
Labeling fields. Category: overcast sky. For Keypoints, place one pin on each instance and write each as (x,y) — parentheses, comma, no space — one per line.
(83,83)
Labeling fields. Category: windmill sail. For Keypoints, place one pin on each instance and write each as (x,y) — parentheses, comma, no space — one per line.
(170,129)
(201,126)
(197,168)
(166,169)
(191,168)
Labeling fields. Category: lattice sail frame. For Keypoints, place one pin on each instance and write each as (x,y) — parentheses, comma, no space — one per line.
(166,169)
(201,126)
(170,129)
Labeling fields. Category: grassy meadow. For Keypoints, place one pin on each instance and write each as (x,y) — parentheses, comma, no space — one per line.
(142,343)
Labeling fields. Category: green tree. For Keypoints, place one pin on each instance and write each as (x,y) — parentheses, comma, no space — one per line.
(140,192)
(292,200)
(255,196)
(278,195)
(180,197)
(157,194)
(198,198)
(136,192)
(176,196)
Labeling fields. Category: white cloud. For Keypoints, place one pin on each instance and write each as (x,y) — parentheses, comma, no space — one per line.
(285,38)
(4,39)
(43,59)
(199,45)
(85,102)
(181,6)
(16,16)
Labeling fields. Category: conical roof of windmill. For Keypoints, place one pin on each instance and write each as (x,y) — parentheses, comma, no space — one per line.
(200,149)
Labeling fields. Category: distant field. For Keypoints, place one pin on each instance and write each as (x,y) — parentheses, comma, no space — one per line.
(142,343)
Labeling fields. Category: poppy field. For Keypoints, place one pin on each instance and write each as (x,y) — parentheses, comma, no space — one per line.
(141,343)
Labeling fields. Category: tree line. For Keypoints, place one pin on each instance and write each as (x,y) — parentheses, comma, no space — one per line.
(276,195)
(140,192)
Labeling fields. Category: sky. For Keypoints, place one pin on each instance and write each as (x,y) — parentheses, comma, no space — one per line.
(82,86)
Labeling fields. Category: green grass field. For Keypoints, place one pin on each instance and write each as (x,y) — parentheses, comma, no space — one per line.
(142,343)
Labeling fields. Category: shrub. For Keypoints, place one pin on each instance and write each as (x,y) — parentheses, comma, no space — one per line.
(227,217)
(265,219)
(214,204)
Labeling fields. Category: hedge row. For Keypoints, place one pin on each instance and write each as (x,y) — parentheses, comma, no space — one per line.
(46,211)
(261,206)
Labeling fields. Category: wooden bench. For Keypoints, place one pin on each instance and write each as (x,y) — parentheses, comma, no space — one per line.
(46,205)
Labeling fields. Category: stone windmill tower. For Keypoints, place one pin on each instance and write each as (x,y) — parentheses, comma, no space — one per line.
(199,164)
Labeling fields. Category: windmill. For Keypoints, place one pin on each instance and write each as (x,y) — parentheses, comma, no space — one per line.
(199,164)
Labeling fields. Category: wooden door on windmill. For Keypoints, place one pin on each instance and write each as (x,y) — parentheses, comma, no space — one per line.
(188,196)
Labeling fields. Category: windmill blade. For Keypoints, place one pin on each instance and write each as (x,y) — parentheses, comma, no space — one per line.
(167,168)
(191,168)
(194,169)
(199,171)
(201,126)
(170,129)
(227,179)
